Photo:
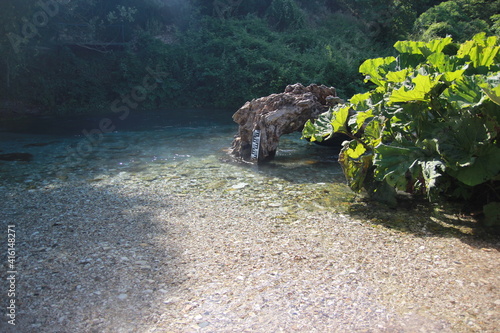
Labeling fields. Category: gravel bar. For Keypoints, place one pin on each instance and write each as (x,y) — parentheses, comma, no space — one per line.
(164,253)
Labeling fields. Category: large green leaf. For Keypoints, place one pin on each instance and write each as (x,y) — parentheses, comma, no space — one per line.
(423,48)
(491,86)
(423,85)
(465,93)
(373,132)
(394,162)
(339,118)
(320,129)
(493,93)
(376,69)
(481,51)
(437,45)
(357,121)
(460,142)
(455,75)
(485,167)
(363,102)
(409,47)
(399,76)
(444,63)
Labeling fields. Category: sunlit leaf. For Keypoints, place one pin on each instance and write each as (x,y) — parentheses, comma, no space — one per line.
(452,76)
(410,47)
(360,102)
(438,45)
(464,93)
(481,50)
(308,131)
(445,64)
(423,85)
(399,76)
(423,48)
(376,69)
(493,93)
(373,132)
(339,119)
(357,121)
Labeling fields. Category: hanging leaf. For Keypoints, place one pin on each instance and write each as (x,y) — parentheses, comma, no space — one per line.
(373,132)
(356,161)
(320,129)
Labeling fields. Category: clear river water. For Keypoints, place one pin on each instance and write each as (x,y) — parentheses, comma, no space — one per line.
(176,146)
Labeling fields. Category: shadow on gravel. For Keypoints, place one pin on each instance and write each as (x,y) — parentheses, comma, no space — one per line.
(425,219)
(89,259)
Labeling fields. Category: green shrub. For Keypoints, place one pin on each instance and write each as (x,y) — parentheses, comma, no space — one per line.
(430,125)
(460,19)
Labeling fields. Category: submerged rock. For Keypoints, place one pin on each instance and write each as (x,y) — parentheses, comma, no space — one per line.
(23,157)
(262,121)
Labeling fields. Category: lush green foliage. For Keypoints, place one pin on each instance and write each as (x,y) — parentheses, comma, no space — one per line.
(460,19)
(220,59)
(214,53)
(430,125)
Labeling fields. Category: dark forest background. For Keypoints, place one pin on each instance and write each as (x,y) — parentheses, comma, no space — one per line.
(78,56)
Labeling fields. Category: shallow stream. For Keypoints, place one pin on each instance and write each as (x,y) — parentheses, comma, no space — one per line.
(187,149)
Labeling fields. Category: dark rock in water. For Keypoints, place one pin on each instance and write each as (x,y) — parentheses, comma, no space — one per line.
(23,157)
(262,121)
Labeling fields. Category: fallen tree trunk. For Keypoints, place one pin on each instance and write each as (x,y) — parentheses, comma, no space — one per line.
(264,120)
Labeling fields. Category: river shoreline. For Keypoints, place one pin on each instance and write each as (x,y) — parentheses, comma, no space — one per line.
(131,252)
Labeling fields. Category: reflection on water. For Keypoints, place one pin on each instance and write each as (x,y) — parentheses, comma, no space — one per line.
(178,147)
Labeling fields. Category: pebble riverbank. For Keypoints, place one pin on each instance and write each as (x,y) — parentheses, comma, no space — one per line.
(203,245)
